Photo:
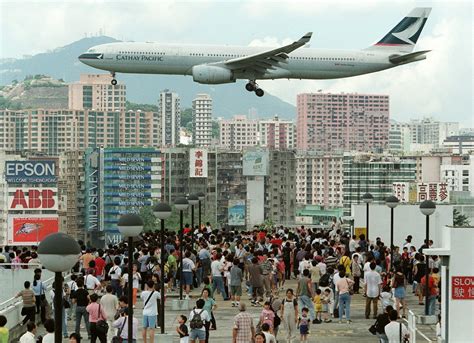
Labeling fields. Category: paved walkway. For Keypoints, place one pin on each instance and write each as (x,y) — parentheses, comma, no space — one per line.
(321,333)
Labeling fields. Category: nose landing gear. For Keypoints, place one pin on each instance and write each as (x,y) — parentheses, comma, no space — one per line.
(113,81)
(252,86)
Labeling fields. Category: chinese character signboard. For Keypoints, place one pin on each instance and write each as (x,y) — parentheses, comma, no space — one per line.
(197,163)
(462,287)
(436,192)
(30,172)
(255,163)
(236,213)
(401,191)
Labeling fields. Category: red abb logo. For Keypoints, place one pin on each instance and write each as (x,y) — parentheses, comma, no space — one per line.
(43,198)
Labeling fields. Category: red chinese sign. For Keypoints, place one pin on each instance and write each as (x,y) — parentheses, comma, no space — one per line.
(462,287)
(197,163)
(436,192)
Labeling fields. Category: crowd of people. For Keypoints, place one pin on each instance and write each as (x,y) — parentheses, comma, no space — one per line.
(329,267)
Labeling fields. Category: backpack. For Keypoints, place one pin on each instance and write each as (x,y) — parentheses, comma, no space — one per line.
(324,280)
(196,322)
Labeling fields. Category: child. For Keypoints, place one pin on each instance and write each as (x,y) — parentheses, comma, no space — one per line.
(326,301)
(267,315)
(3,329)
(318,307)
(182,329)
(303,324)
(386,296)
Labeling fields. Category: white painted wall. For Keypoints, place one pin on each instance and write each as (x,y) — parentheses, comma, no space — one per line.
(255,201)
(408,220)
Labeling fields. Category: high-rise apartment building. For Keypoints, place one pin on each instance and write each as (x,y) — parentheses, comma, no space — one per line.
(170,118)
(399,139)
(202,120)
(430,131)
(461,144)
(459,177)
(238,132)
(319,179)
(374,174)
(56,131)
(94,92)
(342,122)
(277,134)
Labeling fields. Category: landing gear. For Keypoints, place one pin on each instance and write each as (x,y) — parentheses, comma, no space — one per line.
(113,81)
(252,86)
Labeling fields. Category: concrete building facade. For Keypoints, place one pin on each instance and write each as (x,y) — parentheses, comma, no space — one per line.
(342,122)
(277,134)
(95,92)
(238,133)
(170,118)
(430,131)
(319,179)
(460,144)
(459,177)
(202,120)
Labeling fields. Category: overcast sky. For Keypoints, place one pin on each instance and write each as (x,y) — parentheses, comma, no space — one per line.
(440,86)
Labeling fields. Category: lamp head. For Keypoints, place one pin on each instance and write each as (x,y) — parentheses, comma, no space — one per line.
(427,207)
(130,225)
(59,252)
(201,196)
(193,199)
(391,201)
(162,210)
(181,204)
(367,198)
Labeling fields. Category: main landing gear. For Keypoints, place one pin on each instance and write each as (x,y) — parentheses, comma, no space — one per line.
(251,86)
(114,81)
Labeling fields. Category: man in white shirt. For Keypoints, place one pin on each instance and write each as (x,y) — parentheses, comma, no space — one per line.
(372,282)
(150,310)
(29,335)
(188,267)
(198,333)
(216,271)
(115,273)
(392,329)
(110,304)
(91,283)
(322,267)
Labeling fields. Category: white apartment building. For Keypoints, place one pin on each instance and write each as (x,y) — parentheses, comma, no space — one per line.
(277,134)
(202,120)
(238,133)
(459,177)
(94,92)
(460,144)
(319,180)
(399,137)
(170,118)
(430,131)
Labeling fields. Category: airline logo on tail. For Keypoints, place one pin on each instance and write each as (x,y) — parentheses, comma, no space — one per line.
(408,30)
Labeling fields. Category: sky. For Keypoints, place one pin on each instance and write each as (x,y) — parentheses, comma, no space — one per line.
(440,87)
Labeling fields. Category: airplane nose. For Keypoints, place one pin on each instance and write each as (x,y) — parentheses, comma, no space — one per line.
(90,56)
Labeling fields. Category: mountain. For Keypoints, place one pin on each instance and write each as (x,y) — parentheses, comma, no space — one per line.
(228,99)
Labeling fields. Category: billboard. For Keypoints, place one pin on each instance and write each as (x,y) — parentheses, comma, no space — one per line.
(197,163)
(30,171)
(31,229)
(236,213)
(33,199)
(92,198)
(255,163)
(434,191)
(401,191)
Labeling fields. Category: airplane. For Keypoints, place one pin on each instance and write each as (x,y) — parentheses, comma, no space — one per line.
(211,64)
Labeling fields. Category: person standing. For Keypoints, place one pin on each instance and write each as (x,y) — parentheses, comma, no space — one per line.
(110,304)
(382,320)
(4,332)
(136,278)
(393,329)
(289,314)
(96,313)
(150,311)
(344,285)
(304,292)
(81,298)
(243,329)
(49,326)
(356,272)
(28,309)
(217,269)
(399,284)
(372,286)
(432,292)
(256,282)
(121,324)
(115,274)
(236,277)
(188,268)
(29,335)
(198,319)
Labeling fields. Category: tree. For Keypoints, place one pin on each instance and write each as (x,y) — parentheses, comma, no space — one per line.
(460,220)
(215,129)
(149,219)
(130,106)
(186,117)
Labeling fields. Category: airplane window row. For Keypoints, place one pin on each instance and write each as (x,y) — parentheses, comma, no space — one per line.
(324,58)
(142,53)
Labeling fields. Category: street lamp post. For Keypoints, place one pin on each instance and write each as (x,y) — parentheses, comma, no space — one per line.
(367,198)
(427,207)
(201,196)
(181,204)
(193,200)
(162,211)
(58,253)
(130,225)
(392,202)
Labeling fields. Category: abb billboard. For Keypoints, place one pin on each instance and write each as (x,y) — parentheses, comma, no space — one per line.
(32,198)
(30,229)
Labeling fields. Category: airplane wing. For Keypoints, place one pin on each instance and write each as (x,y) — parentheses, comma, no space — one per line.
(267,60)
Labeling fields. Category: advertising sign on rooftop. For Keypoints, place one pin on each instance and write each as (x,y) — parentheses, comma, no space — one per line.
(30,171)
(197,163)
(255,163)
(236,213)
(30,229)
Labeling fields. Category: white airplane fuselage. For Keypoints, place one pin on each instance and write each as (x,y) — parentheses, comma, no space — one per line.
(304,63)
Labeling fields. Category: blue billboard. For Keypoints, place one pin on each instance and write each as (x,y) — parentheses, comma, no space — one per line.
(30,172)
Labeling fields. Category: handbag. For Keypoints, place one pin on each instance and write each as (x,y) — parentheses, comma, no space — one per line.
(118,338)
(101,326)
(351,290)
(373,328)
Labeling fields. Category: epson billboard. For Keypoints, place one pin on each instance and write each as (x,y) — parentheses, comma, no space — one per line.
(30,171)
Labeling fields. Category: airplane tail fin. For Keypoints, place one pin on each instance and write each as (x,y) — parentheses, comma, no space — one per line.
(405,34)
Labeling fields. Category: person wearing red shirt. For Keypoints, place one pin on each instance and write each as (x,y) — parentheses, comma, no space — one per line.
(277,240)
(99,266)
(261,235)
(432,293)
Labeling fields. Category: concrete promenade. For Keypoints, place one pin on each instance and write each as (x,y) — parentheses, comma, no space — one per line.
(322,333)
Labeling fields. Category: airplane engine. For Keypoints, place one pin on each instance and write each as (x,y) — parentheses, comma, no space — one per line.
(212,75)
